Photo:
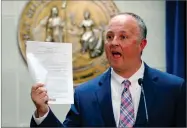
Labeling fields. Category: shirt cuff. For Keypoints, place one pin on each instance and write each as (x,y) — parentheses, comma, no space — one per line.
(40,119)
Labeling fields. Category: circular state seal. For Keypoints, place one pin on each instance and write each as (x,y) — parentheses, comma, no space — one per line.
(81,23)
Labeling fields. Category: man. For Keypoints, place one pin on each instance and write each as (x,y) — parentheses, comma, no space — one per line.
(129,94)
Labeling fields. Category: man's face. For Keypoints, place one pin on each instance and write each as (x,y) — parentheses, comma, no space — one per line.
(123,45)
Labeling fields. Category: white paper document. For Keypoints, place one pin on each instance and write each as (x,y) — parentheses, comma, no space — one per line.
(51,64)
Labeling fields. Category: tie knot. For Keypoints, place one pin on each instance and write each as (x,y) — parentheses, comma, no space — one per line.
(126,83)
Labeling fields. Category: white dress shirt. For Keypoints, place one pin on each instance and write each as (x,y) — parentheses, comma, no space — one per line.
(116,91)
(117,88)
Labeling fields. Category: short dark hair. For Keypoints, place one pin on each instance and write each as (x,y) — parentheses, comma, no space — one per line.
(141,24)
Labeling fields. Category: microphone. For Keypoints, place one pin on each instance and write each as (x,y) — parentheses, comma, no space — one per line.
(140,82)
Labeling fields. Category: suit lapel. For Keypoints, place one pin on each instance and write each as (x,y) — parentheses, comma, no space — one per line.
(149,82)
(103,95)
(104,98)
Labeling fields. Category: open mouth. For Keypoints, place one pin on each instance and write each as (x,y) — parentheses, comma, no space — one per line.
(116,54)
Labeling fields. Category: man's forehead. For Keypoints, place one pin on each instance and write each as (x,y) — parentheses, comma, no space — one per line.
(121,19)
(116,28)
(121,22)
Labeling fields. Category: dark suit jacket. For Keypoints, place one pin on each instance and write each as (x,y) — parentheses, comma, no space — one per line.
(165,97)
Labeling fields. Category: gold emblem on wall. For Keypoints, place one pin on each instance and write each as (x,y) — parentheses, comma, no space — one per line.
(81,23)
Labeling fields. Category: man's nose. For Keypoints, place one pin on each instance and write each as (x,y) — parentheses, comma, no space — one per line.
(115,42)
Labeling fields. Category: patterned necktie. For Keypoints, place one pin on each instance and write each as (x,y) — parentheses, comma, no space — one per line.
(126,109)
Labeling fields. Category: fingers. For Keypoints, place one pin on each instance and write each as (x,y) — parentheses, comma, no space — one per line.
(42,95)
(39,93)
(36,86)
(40,90)
(40,98)
(46,99)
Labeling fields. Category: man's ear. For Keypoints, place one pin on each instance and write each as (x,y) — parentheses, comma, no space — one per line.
(143,44)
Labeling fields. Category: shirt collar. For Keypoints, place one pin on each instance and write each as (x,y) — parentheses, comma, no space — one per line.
(138,74)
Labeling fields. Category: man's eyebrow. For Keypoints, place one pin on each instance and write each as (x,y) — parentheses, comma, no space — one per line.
(123,31)
(109,32)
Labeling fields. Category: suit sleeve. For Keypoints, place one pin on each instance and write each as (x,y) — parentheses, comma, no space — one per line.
(72,118)
(181,107)
(50,121)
